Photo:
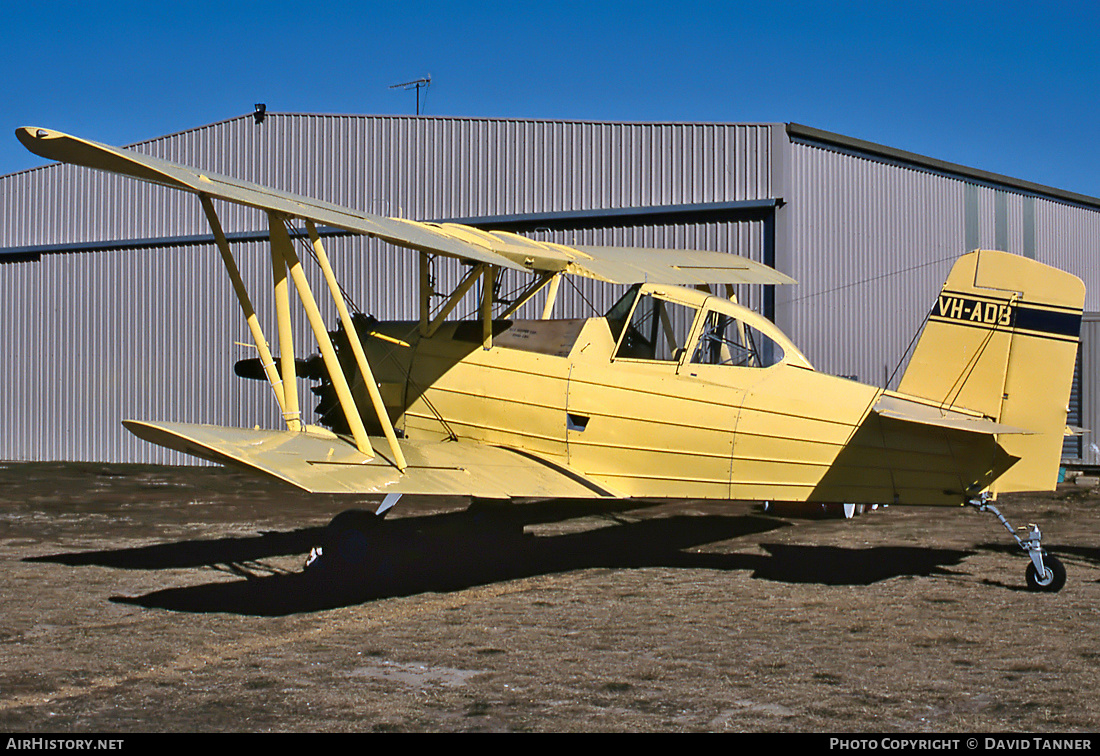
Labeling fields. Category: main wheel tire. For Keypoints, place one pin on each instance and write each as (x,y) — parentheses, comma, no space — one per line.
(1053,581)
(347,541)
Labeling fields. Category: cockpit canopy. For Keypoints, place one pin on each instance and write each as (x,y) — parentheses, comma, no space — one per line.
(661,325)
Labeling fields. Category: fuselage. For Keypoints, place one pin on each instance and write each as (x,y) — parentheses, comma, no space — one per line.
(695,397)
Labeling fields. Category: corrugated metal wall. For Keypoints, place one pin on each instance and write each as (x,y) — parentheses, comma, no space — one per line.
(1090,396)
(415,167)
(871,243)
(98,337)
(1069,238)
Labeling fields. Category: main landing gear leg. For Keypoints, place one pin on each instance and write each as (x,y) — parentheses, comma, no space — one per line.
(1045,572)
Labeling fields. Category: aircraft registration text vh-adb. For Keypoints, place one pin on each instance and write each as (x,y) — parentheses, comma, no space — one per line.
(675,392)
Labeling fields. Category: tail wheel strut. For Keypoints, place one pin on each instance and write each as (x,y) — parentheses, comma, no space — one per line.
(1045,572)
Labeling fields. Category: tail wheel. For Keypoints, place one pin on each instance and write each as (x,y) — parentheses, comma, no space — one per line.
(1054,578)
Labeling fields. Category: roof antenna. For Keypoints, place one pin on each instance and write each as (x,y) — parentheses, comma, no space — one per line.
(417,83)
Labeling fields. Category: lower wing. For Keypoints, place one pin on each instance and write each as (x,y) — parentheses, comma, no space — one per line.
(319,461)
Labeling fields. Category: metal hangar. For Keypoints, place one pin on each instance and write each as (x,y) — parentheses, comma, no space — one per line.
(115,306)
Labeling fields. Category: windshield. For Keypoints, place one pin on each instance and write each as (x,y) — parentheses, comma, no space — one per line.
(657,330)
(616,316)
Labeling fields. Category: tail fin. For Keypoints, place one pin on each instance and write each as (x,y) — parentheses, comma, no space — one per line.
(1002,340)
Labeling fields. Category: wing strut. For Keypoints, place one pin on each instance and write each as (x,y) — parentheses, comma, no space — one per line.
(281,246)
(551,296)
(425,292)
(292,412)
(456,296)
(525,296)
(266,360)
(487,285)
(356,346)
(285,260)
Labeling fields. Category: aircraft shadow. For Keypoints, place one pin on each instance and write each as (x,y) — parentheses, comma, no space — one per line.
(194,553)
(452,551)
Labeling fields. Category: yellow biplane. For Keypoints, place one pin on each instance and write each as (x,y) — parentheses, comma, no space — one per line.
(676,392)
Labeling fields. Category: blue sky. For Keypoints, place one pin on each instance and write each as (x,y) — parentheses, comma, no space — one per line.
(1007,87)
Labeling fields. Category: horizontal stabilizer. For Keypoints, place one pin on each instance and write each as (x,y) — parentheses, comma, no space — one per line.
(917,411)
(319,461)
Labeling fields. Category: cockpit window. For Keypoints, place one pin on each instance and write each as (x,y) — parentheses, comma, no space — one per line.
(658,330)
(725,340)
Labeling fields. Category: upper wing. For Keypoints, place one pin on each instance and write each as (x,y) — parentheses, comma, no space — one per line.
(507,250)
(678,267)
(319,461)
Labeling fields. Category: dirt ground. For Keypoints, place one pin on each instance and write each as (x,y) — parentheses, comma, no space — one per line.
(140,599)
